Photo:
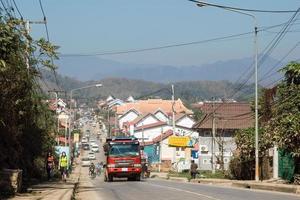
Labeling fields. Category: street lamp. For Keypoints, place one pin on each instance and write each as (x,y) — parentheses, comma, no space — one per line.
(202,4)
(71,96)
(85,87)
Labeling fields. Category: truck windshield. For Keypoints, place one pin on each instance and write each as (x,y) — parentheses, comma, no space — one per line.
(124,150)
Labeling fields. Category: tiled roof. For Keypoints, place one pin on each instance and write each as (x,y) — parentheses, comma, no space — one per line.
(130,110)
(165,135)
(153,125)
(159,138)
(152,105)
(141,117)
(228,115)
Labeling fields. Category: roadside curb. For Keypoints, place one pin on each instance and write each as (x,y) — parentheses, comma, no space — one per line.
(293,189)
(178,179)
(261,186)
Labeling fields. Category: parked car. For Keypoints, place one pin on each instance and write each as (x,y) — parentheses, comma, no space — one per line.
(92,141)
(95,148)
(84,140)
(86,146)
(91,156)
(85,162)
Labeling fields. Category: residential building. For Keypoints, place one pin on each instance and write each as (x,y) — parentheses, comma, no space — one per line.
(227,117)
(162,109)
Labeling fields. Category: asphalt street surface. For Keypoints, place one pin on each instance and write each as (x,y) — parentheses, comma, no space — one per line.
(154,189)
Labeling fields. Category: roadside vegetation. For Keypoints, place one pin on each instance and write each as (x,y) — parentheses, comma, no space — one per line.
(279,121)
(26,123)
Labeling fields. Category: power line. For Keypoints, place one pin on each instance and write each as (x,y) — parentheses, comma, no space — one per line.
(280,36)
(270,47)
(5,9)
(158,47)
(18,9)
(243,9)
(265,76)
(274,82)
(48,38)
(171,45)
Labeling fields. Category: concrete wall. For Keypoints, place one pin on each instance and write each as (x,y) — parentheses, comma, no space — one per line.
(130,116)
(205,157)
(161,116)
(146,121)
(185,122)
(10,181)
(151,133)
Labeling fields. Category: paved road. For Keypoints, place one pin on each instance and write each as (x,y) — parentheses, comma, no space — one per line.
(160,189)
(165,190)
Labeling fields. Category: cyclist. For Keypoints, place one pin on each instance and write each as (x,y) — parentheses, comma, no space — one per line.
(63,165)
(98,169)
(92,169)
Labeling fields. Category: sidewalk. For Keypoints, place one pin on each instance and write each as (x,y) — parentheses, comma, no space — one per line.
(278,187)
(52,190)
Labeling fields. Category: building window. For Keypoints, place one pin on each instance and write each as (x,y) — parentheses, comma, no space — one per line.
(207,134)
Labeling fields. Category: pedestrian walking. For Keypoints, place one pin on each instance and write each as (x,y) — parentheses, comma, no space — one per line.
(49,165)
(193,169)
(63,166)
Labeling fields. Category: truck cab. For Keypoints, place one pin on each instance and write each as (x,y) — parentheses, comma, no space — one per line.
(123,158)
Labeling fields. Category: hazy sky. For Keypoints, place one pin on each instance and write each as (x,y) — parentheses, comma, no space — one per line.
(91,26)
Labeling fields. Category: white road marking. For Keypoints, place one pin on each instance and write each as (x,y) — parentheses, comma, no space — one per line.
(186,191)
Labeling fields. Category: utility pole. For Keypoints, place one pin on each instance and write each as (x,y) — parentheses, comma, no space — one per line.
(143,140)
(56,100)
(173,122)
(256,104)
(118,134)
(56,103)
(108,119)
(66,129)
(160,150)
(201,4)
(213,138)
(27,28)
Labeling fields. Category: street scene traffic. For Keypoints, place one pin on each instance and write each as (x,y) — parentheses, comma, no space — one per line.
(133,99)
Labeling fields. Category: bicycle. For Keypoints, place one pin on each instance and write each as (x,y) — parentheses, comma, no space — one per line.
(92,173)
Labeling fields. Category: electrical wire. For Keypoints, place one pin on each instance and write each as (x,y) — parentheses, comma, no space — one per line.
(5,9)
(274,82)
(171,45)
(279,37)
(18,9)
(48,38)
(267,74)
(242,9)
(270,47)
(158,47)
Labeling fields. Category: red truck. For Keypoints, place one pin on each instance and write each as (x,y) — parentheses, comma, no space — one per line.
(123,158)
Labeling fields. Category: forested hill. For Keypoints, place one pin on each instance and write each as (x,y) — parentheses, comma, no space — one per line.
(189,91)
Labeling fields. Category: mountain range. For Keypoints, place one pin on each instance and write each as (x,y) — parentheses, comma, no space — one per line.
(95,68)
(188,91)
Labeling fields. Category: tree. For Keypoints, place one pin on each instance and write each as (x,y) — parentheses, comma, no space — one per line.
(284,127)
(25,120)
